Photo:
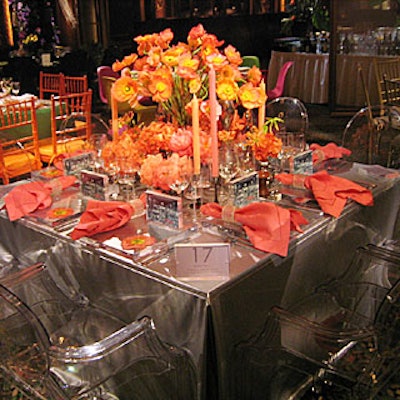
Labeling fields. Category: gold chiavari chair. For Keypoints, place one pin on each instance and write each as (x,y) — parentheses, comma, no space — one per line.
(50,84)
(18,156)
(71,126)
(75,84)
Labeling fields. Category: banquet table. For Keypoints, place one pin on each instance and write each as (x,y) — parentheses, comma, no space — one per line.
(308,79)
(42,115)
(211,317)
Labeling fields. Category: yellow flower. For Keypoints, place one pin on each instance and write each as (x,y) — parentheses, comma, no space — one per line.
(251,96)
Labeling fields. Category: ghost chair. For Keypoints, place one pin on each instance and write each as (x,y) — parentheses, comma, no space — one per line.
(294,116)
(55,344)
(342,339)
(373,136)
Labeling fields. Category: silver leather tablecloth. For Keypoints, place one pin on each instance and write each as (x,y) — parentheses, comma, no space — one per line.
(211,318)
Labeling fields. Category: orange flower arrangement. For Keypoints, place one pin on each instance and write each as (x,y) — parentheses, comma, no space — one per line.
(161,172)
(172,73)
(264,143)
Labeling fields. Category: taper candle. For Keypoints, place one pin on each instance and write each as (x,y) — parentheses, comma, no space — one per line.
(261,110)
(196,135)
(213,122)
(114,116)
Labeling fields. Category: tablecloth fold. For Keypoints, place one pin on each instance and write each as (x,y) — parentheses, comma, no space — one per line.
(266,224)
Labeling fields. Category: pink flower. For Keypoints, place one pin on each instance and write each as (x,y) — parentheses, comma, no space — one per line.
(181,142)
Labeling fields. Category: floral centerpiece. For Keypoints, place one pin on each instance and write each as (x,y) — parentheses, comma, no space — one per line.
(172,75)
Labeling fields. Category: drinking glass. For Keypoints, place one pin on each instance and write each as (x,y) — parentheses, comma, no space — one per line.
(229,168)
(181,176)
(126,177)
(97,143)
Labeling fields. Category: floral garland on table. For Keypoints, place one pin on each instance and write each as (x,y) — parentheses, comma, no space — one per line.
(172,75)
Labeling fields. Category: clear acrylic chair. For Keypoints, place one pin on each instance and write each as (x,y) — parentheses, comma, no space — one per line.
(56,345)
(373,136)
(334,340)
(295,120)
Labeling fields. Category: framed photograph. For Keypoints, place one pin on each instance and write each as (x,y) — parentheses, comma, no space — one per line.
(164,209)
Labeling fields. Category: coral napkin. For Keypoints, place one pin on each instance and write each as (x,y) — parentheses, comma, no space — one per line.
(266,224)
(331,192)
(29,197)
(102,216)
(331,150)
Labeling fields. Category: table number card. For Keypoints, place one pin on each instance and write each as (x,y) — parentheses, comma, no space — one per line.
(164,209)
(75,164)
(95,185)
(202,260)
(245,189)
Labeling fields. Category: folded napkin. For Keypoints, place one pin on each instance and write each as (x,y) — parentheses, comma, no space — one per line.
(331,192)
(29,197)
(331,150)
(102,216)
(266,224)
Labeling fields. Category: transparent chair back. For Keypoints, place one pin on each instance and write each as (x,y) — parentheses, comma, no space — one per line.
(334,339)
(295,120)
(57,345)
(100,135)
(373,136)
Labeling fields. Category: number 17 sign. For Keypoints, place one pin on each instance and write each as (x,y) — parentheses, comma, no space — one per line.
(202,260)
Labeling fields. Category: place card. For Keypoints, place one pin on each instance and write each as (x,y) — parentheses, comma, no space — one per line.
(164,209)
(75,164)
(302,163)
(295,161)
(202,260)
(246,189)
(95,185)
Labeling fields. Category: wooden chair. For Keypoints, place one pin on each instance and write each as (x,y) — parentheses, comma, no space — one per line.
(50,84)
(19,156)
(387,74)
(75,84)
(71,126)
